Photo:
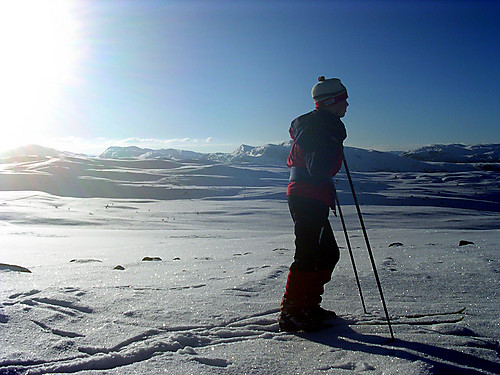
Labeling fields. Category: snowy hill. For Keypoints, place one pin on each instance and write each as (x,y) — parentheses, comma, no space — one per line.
(457,153)
(31,151)
(270,154)
(116,152)
(250,172)
(362,160)
(276,154)
(267,154)
(173,154)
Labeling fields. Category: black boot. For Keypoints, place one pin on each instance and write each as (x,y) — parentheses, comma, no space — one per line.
(303,321)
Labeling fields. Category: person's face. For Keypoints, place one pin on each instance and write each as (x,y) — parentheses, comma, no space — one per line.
(339,108)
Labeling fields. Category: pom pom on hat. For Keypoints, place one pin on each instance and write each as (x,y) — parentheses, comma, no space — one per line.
(328,91)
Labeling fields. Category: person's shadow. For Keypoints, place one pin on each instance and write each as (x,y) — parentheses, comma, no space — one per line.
(443,360)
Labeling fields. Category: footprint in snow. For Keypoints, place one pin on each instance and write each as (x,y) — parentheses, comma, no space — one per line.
(455,330)
(348,365)
(3,318)
(390,263)
(281,250)
(57,332)
(203,258)
(66,301)
(69,289)
(85,261)
(25,294)
(215,362)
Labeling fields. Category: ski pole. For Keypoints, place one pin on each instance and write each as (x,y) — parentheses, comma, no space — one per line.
(379,285)
(350,253)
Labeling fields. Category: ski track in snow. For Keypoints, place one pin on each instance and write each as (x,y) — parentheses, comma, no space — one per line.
(189,340)
(141,347)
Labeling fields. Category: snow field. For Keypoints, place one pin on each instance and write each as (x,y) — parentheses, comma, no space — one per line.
(210,305)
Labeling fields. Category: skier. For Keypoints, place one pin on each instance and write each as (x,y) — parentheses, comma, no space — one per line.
(315,157)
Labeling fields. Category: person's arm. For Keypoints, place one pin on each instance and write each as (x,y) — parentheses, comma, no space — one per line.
(322,150)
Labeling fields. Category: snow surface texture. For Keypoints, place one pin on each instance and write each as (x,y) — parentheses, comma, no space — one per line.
(149,266)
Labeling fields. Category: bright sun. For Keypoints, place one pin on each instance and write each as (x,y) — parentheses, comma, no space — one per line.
(39,54)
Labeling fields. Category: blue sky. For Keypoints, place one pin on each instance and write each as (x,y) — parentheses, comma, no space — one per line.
(211,75)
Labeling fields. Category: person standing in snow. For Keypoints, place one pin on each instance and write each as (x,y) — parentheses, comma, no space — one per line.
(315,157)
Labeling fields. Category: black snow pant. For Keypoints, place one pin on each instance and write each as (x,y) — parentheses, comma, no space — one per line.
(315,245)
(316,254)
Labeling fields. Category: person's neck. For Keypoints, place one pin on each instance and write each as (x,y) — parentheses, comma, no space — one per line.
(329,111)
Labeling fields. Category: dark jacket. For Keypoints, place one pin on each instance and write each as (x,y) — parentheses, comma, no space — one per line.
(316,155)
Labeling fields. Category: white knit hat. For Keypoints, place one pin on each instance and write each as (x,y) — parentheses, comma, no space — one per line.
(328,92)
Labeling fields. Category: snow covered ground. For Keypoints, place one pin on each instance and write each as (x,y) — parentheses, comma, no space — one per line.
(178,266)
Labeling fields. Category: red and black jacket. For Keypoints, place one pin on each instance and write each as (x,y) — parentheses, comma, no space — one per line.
(316,155)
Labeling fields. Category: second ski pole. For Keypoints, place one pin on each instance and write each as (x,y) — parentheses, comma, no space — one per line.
(370,253)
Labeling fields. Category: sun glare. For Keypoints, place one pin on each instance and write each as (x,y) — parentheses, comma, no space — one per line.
(38,58)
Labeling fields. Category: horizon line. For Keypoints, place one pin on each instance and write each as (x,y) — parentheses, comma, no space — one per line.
(234,148)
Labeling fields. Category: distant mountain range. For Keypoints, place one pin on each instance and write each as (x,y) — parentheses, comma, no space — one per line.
(457,153)
(267,154)
(435,157)
(453,157)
